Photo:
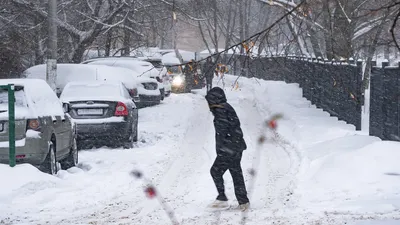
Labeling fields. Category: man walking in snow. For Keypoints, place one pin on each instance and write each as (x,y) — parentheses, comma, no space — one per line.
(230,146)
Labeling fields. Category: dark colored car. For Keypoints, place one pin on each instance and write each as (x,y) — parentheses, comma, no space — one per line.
(104,113)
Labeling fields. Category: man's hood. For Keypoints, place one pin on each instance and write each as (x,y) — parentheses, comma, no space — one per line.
(216,96)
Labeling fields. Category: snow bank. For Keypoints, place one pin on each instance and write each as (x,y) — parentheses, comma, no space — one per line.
(341,168)
(101,183)
(25,178)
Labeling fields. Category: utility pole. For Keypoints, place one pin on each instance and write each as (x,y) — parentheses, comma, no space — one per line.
(51,72)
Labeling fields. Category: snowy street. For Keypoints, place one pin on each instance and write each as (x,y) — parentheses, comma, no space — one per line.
(315,170)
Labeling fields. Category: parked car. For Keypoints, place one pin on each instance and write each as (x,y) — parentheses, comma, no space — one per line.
(103,111)
(77,72)
(163,72)
(44,134)
(141,69)
(177,79)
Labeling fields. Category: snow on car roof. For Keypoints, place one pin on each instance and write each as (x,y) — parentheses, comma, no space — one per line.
(83,72)
(41,99)
(106,58)
(170,60)
(126,62)
(186,55)
(139,67)
(95,83)
(97,90)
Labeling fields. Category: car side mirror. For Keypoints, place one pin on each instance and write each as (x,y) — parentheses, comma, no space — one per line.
(66,107)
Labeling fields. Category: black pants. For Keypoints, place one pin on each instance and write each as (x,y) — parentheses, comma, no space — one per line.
(220,166)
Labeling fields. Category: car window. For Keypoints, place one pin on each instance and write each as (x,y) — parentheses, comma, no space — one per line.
(125,92)
(157,64)
(20,99)
(174,69)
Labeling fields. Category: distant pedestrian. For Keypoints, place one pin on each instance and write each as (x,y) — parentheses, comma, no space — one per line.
(208,71)
(189,72)
(229,146)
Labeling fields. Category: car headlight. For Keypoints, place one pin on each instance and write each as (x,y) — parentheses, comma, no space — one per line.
(177,81)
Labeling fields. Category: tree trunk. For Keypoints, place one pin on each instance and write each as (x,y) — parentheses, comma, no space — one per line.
(126,43)
(299,40)
(246,18)
(314,43)
(371,51)
(228,27)
(241,27)
(216,25)
(108,43)
(204,37)
(326,14)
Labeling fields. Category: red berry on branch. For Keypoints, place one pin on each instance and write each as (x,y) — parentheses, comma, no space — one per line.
(150,192)
(272,124)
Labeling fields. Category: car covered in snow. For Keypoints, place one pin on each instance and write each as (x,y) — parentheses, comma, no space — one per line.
(177,79)
(140,68)
(103,111)
(163,72)
(44,134)
(77,72)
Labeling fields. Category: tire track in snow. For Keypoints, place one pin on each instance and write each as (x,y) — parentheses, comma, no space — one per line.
(276,176)
(180,182)
(126,207)
(276,173)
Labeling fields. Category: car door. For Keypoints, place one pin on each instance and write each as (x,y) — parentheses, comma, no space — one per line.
(62,127)
(67,133)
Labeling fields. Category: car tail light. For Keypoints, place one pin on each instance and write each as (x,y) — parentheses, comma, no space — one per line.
(121,109)
(133,92)
(33,125)
(20,156)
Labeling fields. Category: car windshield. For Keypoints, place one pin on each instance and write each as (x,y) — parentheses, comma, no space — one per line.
(80,90)
(157,64)
(174,69)
(20,99)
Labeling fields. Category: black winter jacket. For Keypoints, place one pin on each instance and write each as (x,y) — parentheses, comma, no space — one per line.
(228,133)
(208,70)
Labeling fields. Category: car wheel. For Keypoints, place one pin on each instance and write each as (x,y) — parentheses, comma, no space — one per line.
(50,163)
(72,159)
(129,143)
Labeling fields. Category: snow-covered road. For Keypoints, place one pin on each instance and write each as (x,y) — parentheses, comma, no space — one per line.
(316,170)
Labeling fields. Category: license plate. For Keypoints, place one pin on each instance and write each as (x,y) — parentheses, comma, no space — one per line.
(90,111)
